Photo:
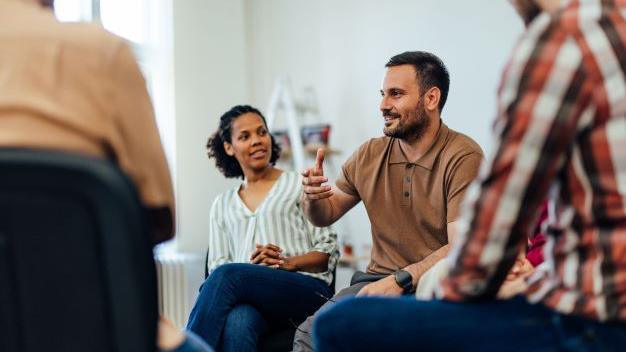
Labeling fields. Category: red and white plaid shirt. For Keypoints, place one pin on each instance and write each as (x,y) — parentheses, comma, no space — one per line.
(561,123)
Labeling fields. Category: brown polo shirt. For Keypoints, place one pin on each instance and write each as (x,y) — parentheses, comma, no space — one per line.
(77,88)
(410,203)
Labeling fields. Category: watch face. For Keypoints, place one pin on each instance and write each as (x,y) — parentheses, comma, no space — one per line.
(403,279)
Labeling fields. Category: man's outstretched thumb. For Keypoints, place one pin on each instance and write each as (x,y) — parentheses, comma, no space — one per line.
(319,160)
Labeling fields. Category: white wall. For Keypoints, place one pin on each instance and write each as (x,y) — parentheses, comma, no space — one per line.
(210,76)
(232,51)
(340,48)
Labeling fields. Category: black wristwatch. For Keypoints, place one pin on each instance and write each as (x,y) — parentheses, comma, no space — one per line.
(404,280)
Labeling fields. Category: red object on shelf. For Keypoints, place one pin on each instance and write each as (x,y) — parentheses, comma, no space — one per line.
(315,134)
(347,249)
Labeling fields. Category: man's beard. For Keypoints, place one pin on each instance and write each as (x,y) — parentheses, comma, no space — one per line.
(410,128)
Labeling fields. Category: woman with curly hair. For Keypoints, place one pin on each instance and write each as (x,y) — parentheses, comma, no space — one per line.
(269,267)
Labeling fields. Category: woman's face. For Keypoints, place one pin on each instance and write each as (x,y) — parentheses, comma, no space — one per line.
(250,143)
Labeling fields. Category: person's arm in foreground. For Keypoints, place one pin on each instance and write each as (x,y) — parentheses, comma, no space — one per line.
(139,150)
(542,101)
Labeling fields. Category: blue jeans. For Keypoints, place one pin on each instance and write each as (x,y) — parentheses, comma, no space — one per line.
(240,302)
(402,324)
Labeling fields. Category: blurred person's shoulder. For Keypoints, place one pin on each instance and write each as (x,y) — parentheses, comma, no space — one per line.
(90,40)
(577,18)
(39,27)
(90,37)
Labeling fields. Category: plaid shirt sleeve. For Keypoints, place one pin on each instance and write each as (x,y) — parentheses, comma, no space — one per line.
(542,97)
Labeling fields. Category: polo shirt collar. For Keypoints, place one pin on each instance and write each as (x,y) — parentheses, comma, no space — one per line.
(428,159)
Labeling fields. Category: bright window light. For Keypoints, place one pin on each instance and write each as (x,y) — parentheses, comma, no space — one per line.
(72,10)
(126,18)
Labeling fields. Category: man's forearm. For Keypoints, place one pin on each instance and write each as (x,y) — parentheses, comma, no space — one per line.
(319,212)
(418,269)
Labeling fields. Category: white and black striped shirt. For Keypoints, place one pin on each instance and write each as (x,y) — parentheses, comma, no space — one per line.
(234,229)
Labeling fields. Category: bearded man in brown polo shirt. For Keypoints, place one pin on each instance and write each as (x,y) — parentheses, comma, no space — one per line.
(411,182)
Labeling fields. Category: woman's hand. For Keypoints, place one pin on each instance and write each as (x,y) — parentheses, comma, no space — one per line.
(268,255)
(272,256)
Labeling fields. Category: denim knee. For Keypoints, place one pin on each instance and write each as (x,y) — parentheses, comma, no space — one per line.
(242,316)
(228,271)
(324,325)
(222,276)
(225,270)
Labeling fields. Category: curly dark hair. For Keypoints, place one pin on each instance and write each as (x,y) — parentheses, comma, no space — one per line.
(228,165)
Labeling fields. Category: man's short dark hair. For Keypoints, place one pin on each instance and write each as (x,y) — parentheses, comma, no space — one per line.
(431,72)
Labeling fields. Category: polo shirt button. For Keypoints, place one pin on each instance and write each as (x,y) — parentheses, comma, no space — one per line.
(408,166)
(408,179)
(406,194)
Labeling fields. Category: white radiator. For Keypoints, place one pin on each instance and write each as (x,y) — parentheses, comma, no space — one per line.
(179,276)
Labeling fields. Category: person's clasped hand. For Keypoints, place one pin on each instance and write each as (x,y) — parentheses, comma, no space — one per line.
(270,255)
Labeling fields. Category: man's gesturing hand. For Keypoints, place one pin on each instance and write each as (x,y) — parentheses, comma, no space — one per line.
(314,177)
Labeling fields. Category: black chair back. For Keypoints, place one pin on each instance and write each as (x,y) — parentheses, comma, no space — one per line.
(76,265)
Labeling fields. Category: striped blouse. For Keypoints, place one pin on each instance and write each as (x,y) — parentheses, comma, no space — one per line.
(234,229)
(561,125)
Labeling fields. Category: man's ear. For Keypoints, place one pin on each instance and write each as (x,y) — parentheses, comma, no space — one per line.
(229,149)
(432,98)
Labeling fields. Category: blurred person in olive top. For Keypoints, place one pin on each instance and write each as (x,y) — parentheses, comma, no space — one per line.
(561,126)
(74,87)
(411,181)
